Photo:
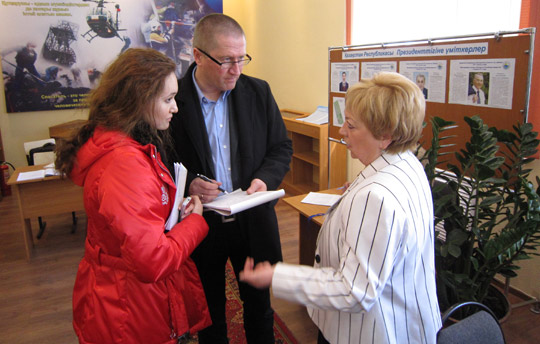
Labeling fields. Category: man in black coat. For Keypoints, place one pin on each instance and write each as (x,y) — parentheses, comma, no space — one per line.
(26,58)
(229,128)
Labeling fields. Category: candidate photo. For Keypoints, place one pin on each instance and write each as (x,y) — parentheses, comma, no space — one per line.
(478,88)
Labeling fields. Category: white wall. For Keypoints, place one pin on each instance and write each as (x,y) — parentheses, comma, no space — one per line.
(18,128)
(289,42)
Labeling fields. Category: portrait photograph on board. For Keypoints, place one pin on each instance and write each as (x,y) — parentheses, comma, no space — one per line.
(420,79)
(478,88)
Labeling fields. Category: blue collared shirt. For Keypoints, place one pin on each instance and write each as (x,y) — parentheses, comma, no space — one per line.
(216,118)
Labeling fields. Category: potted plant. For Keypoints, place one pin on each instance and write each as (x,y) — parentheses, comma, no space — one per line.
(487,211)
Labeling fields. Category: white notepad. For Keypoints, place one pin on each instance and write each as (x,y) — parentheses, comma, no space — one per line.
(237,201)
(180,175)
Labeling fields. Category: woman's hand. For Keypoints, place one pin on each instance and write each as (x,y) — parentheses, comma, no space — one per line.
(195,206)
(259,277)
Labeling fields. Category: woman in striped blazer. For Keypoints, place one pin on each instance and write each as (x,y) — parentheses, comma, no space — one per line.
(373,280)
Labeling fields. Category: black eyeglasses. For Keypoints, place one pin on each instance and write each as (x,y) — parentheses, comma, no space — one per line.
(226,65)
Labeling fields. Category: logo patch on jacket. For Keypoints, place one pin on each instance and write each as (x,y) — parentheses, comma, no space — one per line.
(164,195)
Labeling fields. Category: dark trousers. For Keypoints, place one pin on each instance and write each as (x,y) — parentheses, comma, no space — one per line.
(225,241)
(321,339)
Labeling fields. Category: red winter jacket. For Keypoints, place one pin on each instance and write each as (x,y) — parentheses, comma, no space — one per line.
(135,284)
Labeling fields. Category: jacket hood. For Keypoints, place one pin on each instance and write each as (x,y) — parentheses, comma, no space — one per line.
(101,143)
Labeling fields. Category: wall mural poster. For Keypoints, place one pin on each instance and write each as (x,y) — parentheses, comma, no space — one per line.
(53,52)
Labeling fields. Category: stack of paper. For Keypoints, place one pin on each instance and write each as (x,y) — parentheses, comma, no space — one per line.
(320,116)
(180,175)
(51,171)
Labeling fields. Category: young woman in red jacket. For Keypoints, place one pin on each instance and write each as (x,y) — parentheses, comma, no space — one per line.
(135,283)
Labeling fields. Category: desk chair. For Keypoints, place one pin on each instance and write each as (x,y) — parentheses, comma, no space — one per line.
(41,146)
(478,328)
(41,152)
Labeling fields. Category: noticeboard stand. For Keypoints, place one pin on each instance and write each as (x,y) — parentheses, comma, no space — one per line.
(515,46)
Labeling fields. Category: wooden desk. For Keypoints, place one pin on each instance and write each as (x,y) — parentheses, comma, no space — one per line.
(308,228)
(41,197)
(66,130)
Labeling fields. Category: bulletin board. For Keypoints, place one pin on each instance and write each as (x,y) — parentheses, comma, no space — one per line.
(449,67)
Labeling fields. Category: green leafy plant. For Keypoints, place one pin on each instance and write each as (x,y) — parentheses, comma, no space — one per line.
(488,208)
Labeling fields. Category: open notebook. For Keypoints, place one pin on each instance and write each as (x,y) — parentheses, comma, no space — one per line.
(237,201)
(47,171)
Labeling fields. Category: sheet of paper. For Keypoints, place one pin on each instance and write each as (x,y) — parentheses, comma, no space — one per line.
(39,174)
(320,198)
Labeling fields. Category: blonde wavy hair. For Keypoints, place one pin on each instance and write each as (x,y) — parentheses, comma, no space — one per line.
(390,105)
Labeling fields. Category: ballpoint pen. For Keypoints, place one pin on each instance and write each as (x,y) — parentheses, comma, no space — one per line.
(206,179)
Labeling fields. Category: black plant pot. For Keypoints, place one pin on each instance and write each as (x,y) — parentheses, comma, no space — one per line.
(498,303)
(495,300)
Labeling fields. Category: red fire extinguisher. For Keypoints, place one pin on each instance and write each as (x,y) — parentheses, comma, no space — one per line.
(4,176)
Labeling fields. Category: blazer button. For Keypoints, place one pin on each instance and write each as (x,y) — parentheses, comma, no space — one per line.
(317,258)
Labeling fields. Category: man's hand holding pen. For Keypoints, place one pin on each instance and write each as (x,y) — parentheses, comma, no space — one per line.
(207,189)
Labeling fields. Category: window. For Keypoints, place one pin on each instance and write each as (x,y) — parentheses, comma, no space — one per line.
(398,20)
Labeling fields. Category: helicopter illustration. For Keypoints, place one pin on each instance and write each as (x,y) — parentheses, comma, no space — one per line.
(101,22)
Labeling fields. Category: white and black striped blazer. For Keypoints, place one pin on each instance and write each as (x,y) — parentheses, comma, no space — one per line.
(373,280)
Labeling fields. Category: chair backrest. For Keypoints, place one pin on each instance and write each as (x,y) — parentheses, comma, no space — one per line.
(478,328)
(44,158)
(42,150)
(35,144)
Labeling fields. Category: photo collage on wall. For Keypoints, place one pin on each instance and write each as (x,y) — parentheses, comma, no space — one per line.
(61,48)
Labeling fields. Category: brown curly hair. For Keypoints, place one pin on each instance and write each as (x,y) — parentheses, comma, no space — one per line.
(123,101)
